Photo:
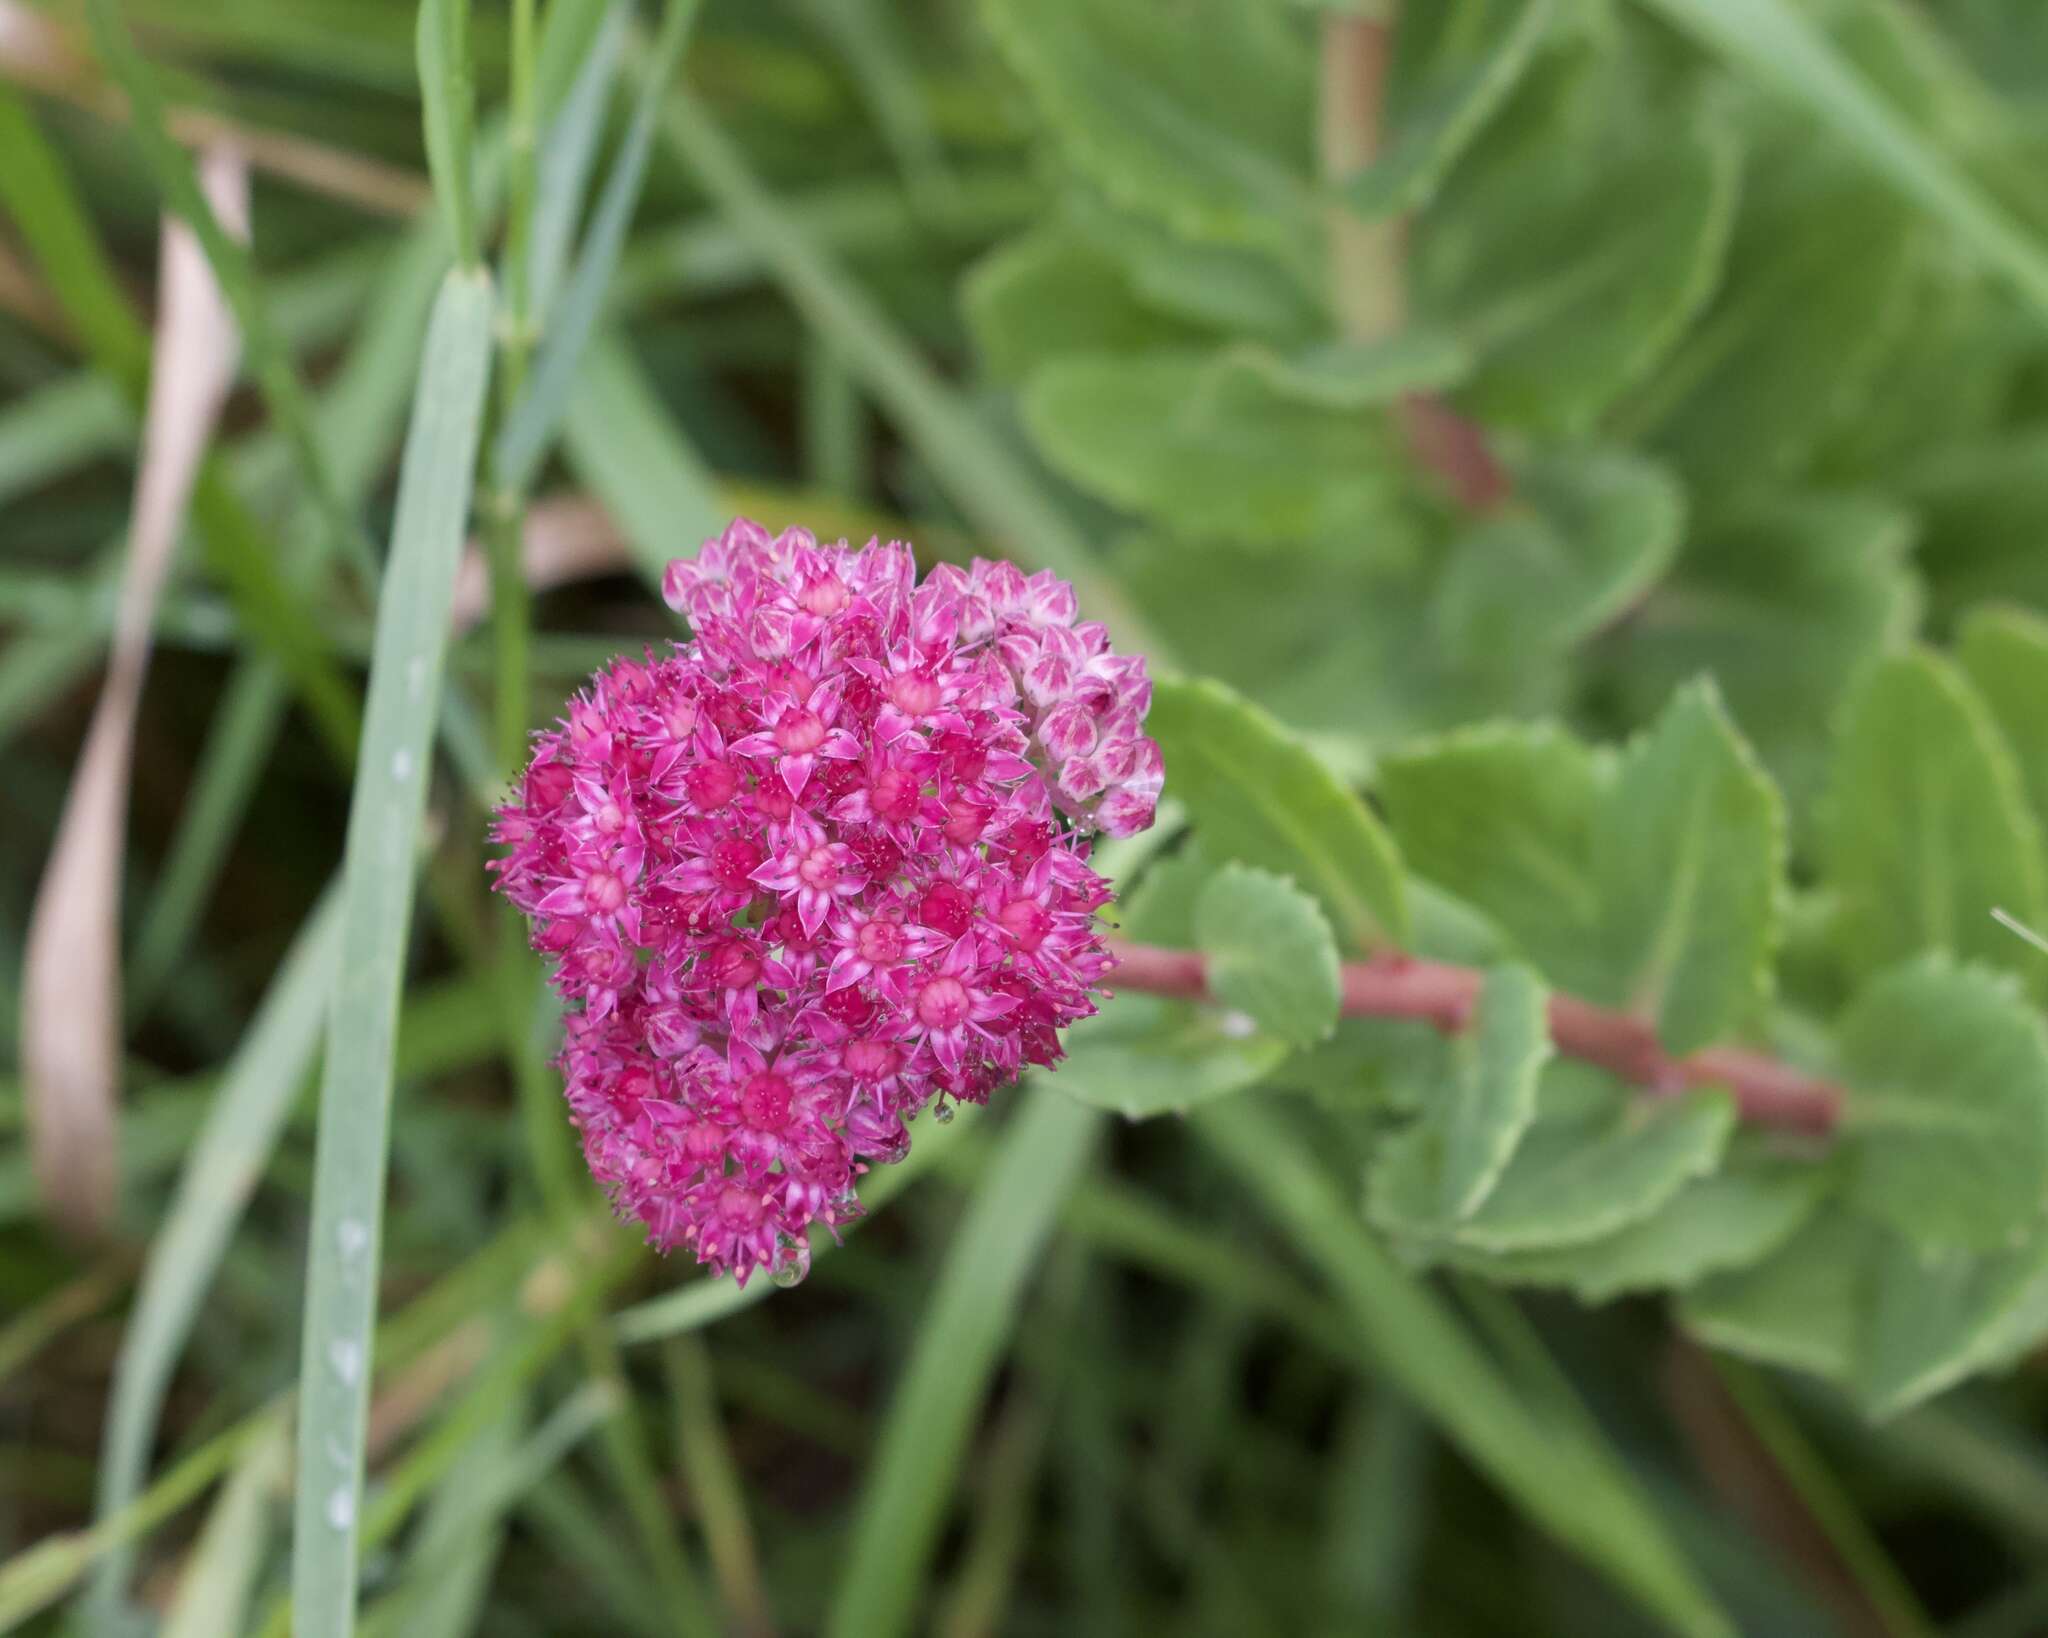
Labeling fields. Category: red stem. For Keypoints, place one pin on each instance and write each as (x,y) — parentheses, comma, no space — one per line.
(1766,1091)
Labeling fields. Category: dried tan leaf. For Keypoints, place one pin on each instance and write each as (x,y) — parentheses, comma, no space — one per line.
(71,979)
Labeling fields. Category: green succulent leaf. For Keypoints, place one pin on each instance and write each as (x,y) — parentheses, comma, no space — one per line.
(1141,1056)
(1478,1095)
(1454,65)
(1802,1306)
(1257,794)
(1270,953)
(1927,829)
(1946,1132)
(2004,652)
(1688,857)
(1600,1158)
(1212,447)
(1052,293)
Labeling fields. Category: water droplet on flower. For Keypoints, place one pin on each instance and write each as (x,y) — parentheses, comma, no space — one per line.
(787,1274)
(943,1113)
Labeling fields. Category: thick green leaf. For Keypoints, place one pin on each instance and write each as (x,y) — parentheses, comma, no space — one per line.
(2005,653)
(1600,1157)
(1689,858)
(1052,292)
(1269,953)
(1585,537)
(1772,40)
(1141,1056)
(1801,1306)
(1454,63)
(1783,603)
(1188,113)
(435,486)
(1935,1319)
(1502,816)
(1257,795)
(1477,1100)
(1573,268)
(1211,448)
(1352,375)
(1927,828)
(1725,1221)
(1946,1134)
(1819,285)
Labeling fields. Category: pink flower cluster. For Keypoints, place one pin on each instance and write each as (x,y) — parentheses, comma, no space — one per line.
(815,869)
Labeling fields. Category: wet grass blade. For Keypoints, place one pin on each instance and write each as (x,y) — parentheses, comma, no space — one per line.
(435,486)
(960,1340)
(256,1094)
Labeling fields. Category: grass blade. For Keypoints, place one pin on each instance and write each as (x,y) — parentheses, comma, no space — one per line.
(448,107)
(1571,1487)
(256,1094)
(525,436)
(1776,44)
(959,1343)
(220,1577)
(435,487)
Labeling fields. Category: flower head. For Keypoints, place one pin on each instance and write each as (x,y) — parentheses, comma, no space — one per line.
(816,868)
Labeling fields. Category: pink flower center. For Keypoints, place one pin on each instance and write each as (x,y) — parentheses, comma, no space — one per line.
(800,731)
(739,1207)
(733,967)
(870,1060)
(893,796)
(636,1084)
(1026,921)
(915,693)
(820,868)
(733,863)
(765,1102)
(823,595)
(603,892)
(710,785)
(965,821)
(608,819)
(943,1003)
(704,1141)
(946,909)
(880,943)
(548,785)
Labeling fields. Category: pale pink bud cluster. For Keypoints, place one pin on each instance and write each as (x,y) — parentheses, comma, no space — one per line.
(816,868)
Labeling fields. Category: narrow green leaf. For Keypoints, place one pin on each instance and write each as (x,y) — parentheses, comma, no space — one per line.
(624,446)
(1926,827)
(219,1579)
(435,484)
(569,150)
(1776,43)
(448,112)
(1477,1100)
(1600,1157)
(1270,953)
(1946,1130)
(1566,1481)
(221,1170)
(1257,795)
(963,1334)
(1454,64)
(524,438)
(1689,855)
